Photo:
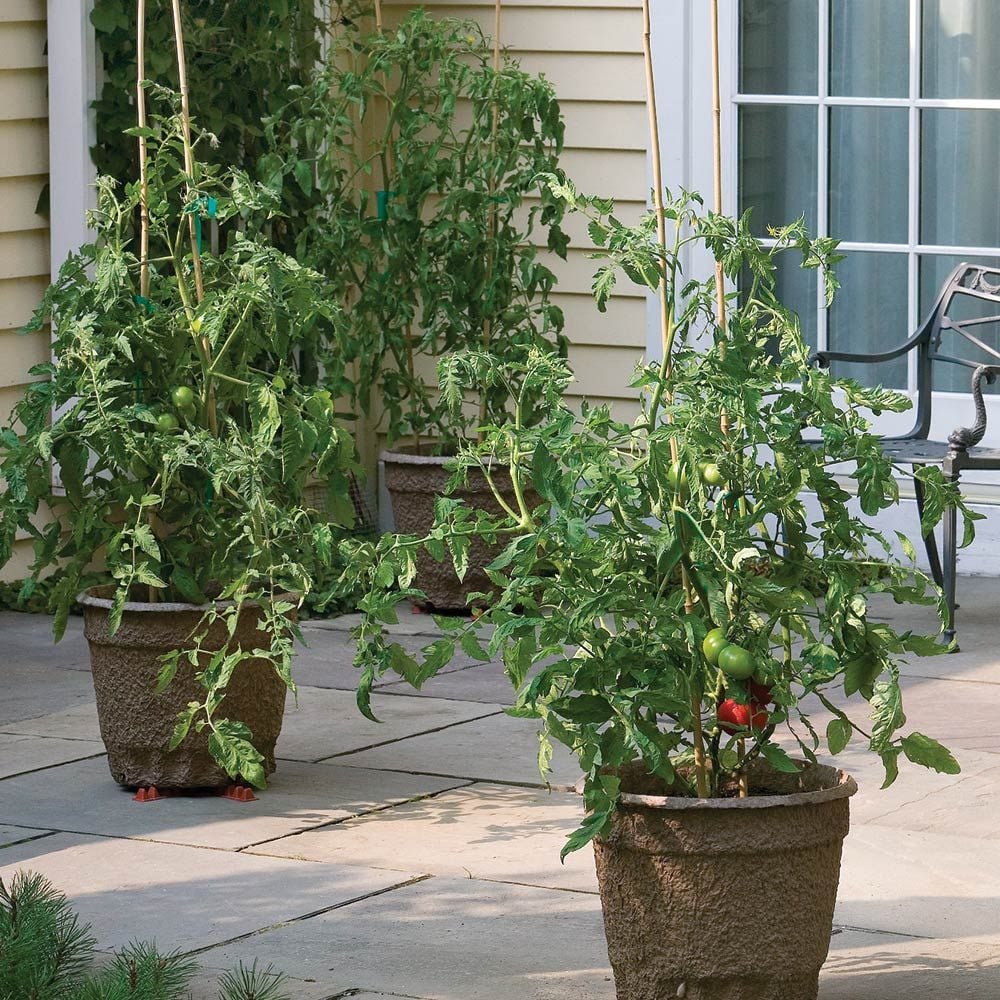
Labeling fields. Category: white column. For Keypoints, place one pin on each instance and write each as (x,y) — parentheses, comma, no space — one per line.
(72,89)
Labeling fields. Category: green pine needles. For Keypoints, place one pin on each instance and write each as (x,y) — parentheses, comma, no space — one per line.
(46,953)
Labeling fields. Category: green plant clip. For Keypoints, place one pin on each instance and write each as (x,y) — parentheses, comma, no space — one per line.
(206,205)
(382,204)
(147,304)
(209,494)
(137,381)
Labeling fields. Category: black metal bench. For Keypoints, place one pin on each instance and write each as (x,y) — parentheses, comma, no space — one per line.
(966,286)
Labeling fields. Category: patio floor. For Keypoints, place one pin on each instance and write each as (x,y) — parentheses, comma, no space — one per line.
(420,858)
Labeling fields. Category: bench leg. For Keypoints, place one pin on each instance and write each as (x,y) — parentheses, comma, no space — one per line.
(930,542)
(950,565)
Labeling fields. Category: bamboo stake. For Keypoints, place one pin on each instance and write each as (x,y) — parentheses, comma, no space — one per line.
(140,100)
(492,224)
(720,277)
(189,168)
(700,767)
(188,147)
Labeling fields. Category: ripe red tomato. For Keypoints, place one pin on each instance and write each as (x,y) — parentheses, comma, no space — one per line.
(734,716)
(760,693)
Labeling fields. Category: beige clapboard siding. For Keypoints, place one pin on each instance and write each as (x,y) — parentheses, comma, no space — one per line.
(24,238)
(18,299)
(591,52)
(22,44)
(22,93)
(18,199)
(22,10)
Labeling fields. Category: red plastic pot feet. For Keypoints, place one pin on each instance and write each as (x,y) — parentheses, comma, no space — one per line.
(150,794)
(238,793)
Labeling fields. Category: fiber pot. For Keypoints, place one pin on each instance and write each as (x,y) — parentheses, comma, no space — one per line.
(723,899)
(137,724)
(414,482)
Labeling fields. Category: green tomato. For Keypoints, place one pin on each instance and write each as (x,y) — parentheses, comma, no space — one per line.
(182,396)
(166,423)
(715,642)
(736,662)
(711,475)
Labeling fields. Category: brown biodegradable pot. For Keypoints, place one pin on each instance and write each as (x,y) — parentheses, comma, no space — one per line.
(414,482)
(136,723)
(724,899)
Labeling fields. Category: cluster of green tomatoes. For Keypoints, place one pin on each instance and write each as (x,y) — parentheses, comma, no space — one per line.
(182,396)
(737,662)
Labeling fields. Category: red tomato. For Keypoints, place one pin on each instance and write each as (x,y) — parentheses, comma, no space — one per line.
(734,716)
(760,693)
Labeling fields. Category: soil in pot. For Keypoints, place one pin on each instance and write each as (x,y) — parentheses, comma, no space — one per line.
(414,482)
(723,899)
(137,724)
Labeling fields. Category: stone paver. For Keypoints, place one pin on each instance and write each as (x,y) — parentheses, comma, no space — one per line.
(36,688)
(485,682)
(448,939)
(498,748)
(184,897)
(76,723)
(19,754)
(924,884)
(867,966)
(326,722)
(83,798)
(482,831)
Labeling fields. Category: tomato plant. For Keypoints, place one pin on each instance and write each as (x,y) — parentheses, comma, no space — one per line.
(619,647)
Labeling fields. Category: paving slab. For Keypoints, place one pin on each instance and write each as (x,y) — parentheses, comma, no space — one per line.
(867,966)
(82,798)
(328,660)
(184,898)
(921,884)
(11,835)
(448,939)
(483,831)
(34,689)
(19,754)
(78,722)
(326,722)
(498,748)
(485,682)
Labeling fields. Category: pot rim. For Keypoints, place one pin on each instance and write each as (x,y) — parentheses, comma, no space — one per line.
(89,599)
(844,787)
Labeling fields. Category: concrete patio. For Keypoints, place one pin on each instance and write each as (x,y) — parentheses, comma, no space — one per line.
(420,858)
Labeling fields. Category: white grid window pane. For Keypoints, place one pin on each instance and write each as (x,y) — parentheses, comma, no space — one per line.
(869,55)
(961,58)
(778,50)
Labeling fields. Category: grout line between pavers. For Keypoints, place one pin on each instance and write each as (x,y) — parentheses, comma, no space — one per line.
(538,786)
(347,819)
(49,767)
(837,928)
(307,916)
(28,840)
(400,739)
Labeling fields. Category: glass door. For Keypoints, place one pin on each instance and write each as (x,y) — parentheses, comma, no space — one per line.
(879,121)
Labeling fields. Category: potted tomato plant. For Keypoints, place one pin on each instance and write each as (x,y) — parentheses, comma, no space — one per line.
(445,255)
(678,598)
(173,438)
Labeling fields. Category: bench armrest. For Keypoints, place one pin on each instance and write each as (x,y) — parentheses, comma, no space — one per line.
(963,438)
(822,359)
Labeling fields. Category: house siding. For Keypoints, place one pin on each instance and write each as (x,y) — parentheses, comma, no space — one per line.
(24,236)
(591,52)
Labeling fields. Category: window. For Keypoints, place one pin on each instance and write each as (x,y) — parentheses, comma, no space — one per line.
(879,121)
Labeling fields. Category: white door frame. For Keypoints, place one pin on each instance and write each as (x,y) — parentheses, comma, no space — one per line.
(72,90)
